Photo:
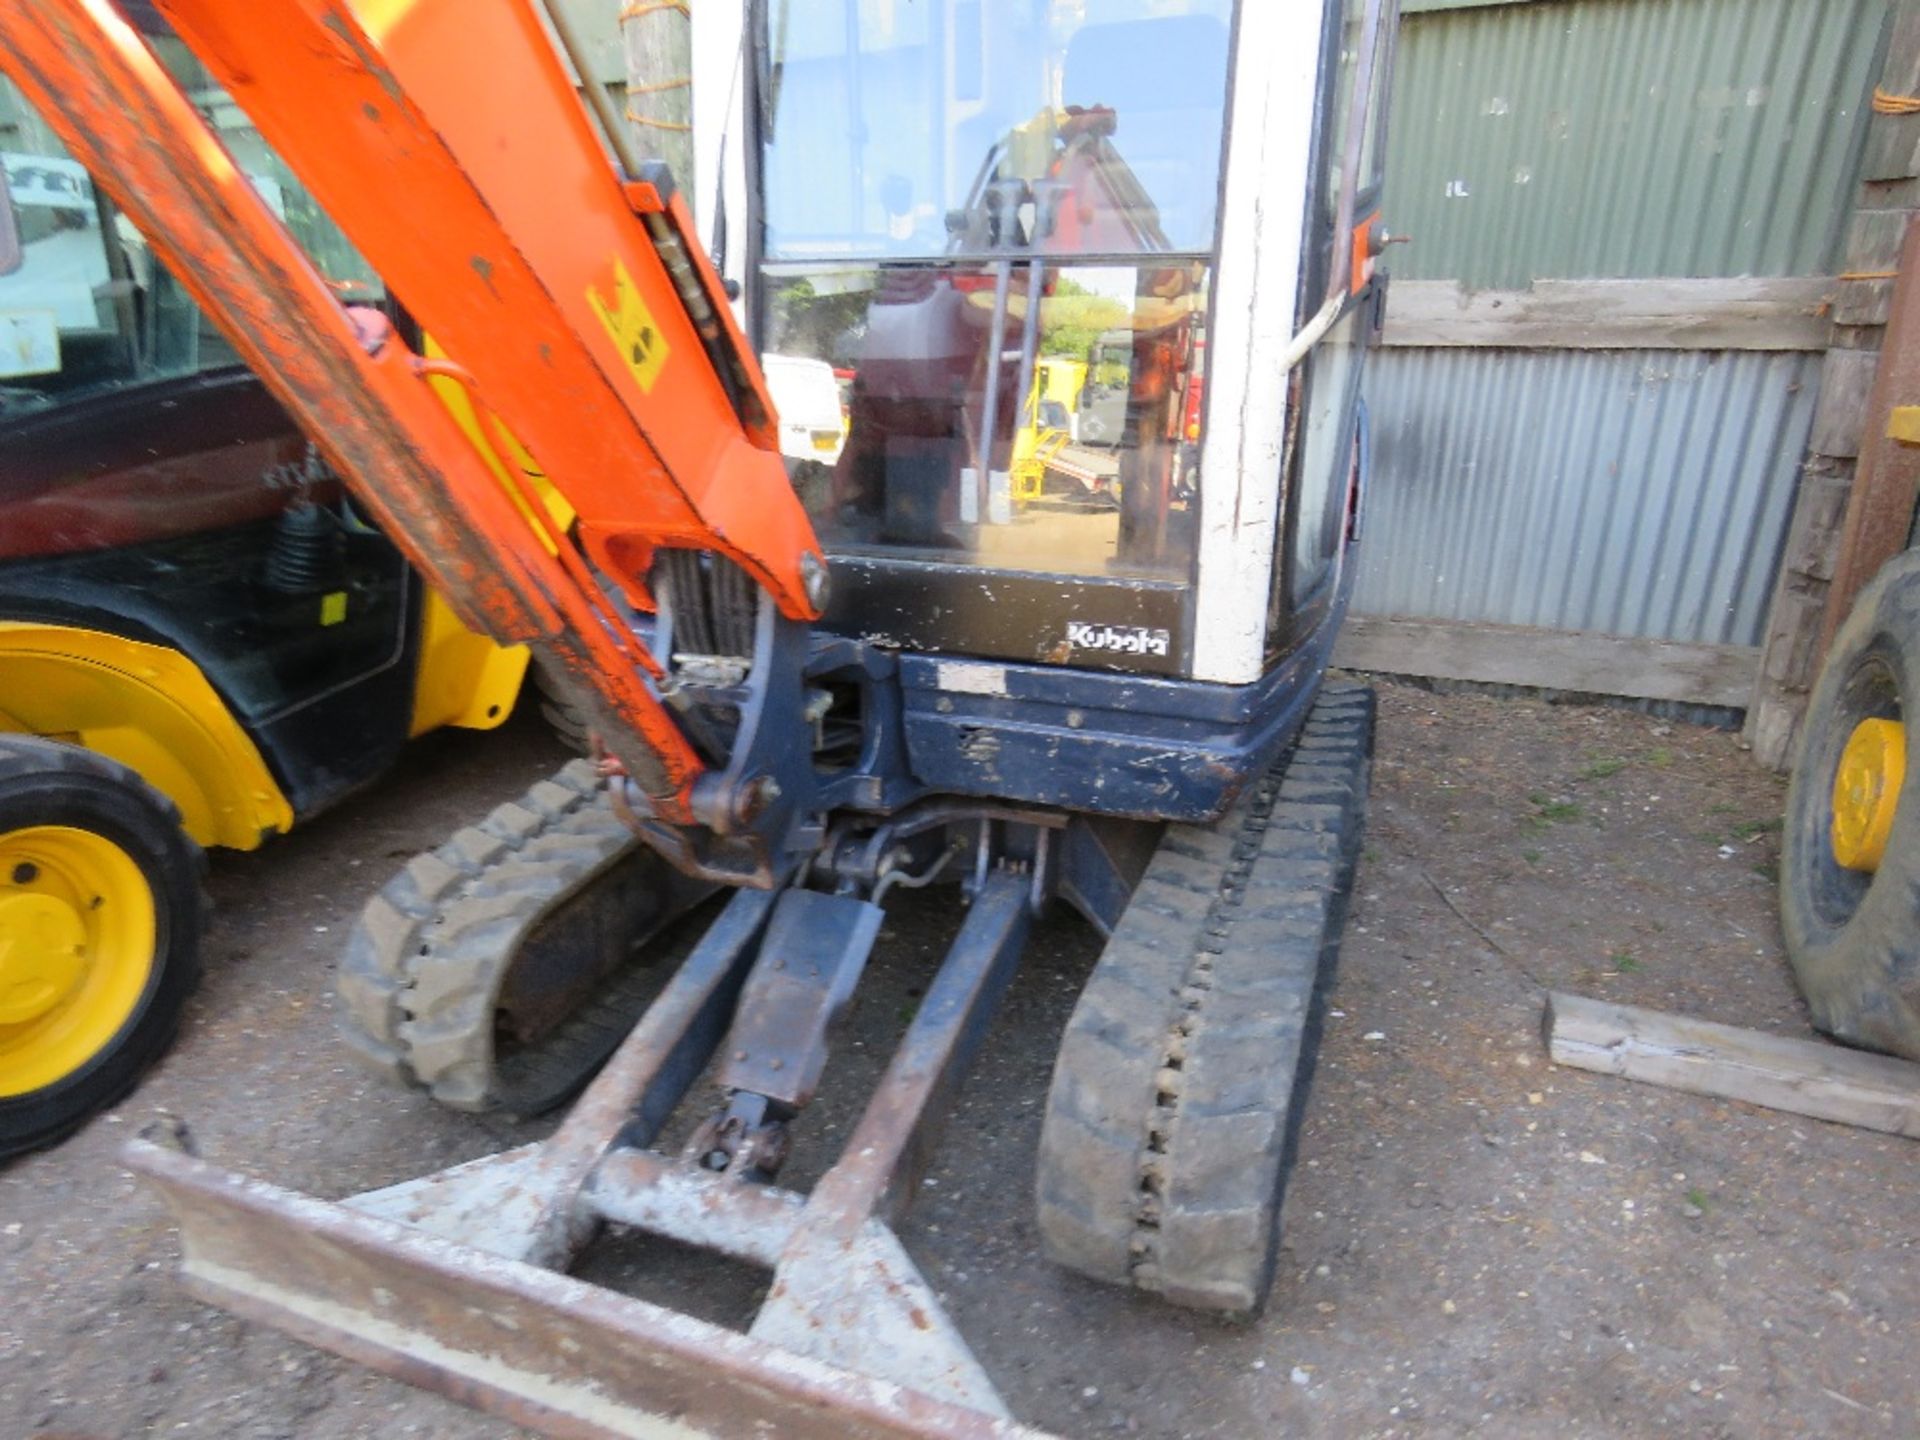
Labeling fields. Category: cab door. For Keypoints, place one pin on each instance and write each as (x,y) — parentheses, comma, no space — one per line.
(949,198)
(1325,482)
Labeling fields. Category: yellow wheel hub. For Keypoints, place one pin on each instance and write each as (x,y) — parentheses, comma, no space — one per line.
(1866,792)
(77,932)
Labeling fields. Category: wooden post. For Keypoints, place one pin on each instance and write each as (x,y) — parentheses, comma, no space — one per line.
(1798,624)
(658,35)
(1886,478)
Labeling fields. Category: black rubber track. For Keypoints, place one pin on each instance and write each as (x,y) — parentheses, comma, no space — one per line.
(1854,939)
(1179,1087)
(422,980)
(43,782)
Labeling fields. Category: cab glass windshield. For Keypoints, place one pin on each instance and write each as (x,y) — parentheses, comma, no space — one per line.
(992,222)
(889,123)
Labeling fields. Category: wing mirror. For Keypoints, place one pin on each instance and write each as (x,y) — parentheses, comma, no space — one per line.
(11,255)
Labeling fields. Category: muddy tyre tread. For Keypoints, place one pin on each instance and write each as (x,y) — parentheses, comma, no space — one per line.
(177,868)
(1854,941)
(1178,1089)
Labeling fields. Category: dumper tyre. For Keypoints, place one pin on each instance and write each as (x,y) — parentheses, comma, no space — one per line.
(101,917)
(1853,934)
(567,720)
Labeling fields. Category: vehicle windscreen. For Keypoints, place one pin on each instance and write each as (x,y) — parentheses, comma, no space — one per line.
(999,216)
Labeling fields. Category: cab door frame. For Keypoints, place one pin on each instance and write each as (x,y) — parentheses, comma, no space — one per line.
(1276,263)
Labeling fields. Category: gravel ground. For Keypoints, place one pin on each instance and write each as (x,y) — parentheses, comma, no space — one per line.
(1476,1242)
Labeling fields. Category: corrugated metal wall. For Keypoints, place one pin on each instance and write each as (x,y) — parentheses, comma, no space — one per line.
(1638,493)
(1601,138)
(1633,492)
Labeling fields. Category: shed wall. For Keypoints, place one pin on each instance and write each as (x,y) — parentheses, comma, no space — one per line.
(1635,493)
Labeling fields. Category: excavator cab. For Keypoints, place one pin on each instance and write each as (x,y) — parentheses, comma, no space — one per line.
(1153,220)
(948,199)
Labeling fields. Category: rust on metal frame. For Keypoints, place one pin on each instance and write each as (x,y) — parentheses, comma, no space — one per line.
(538,1348)
(1886,484)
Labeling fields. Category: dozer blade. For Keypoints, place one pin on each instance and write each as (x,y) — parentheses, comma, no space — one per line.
(455,1281)
(538,1348)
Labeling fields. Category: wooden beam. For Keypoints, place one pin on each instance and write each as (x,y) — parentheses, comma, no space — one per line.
(1680,314)
(1893,141)
(1580,662)
(1840,412)
(659,47)
(1886,486)
(1806,1077)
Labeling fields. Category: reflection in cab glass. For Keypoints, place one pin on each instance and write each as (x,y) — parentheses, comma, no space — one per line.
(1009,272)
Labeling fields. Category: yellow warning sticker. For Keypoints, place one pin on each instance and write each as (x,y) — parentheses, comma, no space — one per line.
(631,325)
(333,608)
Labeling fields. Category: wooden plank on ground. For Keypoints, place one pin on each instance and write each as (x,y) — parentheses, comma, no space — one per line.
(1806,1077)
(1742,313)
(1576,661)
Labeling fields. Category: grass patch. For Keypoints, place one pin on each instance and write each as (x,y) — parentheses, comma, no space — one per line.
(1697,1198)
(1751,829)
(1603,767)
(1625,962)
(1532,857)
(1549,811)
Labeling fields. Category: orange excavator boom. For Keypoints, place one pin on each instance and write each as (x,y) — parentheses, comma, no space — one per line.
(568,297)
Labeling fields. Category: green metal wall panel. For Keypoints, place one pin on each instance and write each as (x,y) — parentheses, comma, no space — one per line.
(1613,138)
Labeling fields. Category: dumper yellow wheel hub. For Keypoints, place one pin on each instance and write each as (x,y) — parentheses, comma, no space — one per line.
(1866,792)
(77,933)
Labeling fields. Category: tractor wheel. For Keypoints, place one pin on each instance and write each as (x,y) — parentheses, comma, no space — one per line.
(1850,862)
(100,920)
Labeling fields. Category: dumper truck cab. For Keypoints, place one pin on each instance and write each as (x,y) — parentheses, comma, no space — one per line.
(202,640)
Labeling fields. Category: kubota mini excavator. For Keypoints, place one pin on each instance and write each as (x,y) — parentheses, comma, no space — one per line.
(798,713)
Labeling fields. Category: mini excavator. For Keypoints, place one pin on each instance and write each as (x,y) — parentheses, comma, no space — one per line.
(918,670)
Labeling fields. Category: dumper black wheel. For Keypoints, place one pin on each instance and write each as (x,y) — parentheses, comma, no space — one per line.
(1181,1080)
(568,720)
(1850,851)
(100,923)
